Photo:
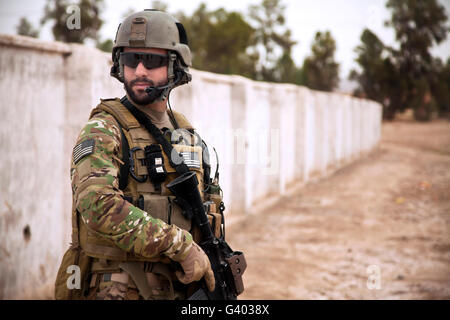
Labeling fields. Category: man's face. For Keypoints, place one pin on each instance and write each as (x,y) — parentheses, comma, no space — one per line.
(139,78)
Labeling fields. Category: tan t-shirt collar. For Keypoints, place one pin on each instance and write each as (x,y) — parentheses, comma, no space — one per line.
(159,118)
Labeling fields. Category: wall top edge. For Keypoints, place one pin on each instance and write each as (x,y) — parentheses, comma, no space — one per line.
(66,49)
(35,44)
(264,85)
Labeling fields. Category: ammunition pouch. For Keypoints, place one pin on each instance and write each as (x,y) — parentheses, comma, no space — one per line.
(154,161)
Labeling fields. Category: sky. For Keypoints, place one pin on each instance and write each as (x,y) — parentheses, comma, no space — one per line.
(344,18)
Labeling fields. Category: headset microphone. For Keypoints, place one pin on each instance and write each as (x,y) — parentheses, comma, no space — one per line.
(156,92)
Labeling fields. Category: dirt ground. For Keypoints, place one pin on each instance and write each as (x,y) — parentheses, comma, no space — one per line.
(376,229)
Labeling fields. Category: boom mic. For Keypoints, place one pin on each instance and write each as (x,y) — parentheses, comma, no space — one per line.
(155,92)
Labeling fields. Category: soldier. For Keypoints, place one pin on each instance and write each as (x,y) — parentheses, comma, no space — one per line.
(130,236)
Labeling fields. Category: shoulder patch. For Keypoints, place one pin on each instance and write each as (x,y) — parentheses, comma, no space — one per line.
(83,149)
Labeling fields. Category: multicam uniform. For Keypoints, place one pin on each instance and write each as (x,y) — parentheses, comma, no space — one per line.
(109,225)
(128,232)
(100,202)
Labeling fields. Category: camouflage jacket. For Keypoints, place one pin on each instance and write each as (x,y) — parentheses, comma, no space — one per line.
(96,161)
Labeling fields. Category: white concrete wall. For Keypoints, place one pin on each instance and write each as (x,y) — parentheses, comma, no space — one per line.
(32,175)
(269,137)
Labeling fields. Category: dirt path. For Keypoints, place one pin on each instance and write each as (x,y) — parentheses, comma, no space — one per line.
(389,212)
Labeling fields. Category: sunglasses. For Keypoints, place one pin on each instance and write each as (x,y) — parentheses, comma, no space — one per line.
(149,60)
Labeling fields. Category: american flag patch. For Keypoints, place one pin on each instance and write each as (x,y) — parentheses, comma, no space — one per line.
(191,159)
(83,149)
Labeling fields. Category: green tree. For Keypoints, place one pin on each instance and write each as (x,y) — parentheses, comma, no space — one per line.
(440,87)
(224,42)
(197,27)
(25,28)
(227,42)
(371,62)
(219,41)
(286,70)
(273,41)
(105,45)
(378,79)
(320,70)
(407,76)
(418,26)
(76,25)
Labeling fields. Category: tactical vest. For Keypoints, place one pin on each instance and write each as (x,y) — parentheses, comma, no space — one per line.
(141,192)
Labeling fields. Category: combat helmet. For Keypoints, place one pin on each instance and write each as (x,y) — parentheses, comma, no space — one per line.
(154,29)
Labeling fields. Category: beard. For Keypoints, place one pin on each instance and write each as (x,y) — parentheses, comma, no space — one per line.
(140,96)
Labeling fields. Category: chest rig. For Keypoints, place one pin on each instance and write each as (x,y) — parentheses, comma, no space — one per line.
(144,173)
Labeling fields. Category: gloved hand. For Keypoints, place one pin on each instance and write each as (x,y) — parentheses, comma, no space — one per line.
(196,265)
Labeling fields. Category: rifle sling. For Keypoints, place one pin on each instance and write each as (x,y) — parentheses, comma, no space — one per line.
(178,164)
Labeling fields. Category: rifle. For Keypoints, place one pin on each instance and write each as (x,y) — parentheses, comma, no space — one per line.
(227,265)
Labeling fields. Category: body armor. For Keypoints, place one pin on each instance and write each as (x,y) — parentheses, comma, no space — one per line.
(154,198)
